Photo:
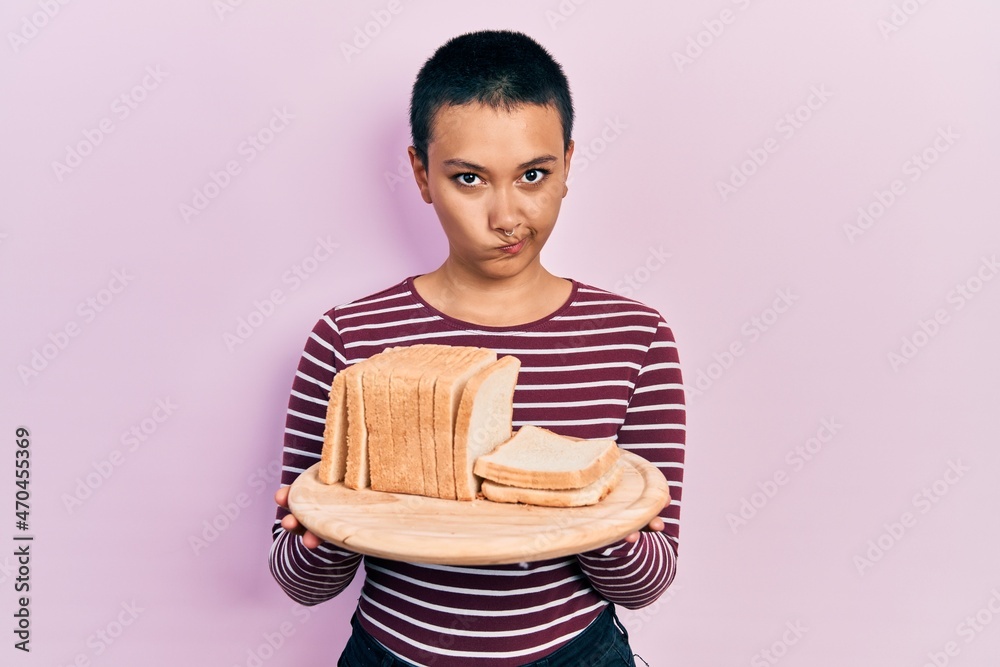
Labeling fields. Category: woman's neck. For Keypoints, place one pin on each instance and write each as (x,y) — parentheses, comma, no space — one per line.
(528,296)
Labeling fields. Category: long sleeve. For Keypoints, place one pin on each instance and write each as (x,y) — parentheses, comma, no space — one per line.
(309,576)
(635,575)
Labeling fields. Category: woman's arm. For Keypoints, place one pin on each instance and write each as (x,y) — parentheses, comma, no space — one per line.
(309,576)
(636,574)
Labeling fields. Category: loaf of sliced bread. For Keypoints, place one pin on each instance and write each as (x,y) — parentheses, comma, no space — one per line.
(589,495)
(537,458)
(333,459)
(484,420)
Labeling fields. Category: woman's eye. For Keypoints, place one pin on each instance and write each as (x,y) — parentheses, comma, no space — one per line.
(468,179)
(534,175)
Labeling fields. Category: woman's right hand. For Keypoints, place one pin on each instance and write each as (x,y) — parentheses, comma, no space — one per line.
(292,525)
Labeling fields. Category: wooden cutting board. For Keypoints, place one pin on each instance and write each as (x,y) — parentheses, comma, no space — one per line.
(481,532)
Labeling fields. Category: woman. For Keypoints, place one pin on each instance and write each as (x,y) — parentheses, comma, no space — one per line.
(491,118)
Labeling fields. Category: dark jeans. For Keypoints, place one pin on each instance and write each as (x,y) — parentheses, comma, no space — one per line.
(603,644)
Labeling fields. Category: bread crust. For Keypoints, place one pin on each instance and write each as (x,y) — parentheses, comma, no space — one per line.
(475,436)
(356,475)
(493,466)
(333,458)
(589,495)
(448,390)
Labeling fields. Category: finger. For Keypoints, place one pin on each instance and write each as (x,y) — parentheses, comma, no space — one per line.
(290,523)
(310,540)
(632,538)
(281,496)
(656,524)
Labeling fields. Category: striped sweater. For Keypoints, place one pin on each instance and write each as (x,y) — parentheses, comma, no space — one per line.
(601,366)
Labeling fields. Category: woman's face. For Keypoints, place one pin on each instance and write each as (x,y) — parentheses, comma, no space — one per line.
(491,171)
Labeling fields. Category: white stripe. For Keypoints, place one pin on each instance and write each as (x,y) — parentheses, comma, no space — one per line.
(575,385)
(464,569)
(401,339)
(568,404)
(330,323)
(660,406)
(571,350)
(586,332)
(658,387)
(654,427)
(581,367)
(300,452)
(303,434)
(386,325)
(347,316)
(652,445)
(601,303)
(355,304)
(313,380)
(322,341)
(291,469)
(656,367)
(620,313)
(311,399)
(321,364)
(471,591)
(568,422)
(302,415)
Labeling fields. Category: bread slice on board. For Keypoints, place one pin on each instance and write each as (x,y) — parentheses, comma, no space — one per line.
(423,424)
(463,363)
(537,458)
(356,475)
(377,414)
(333,459)
(484,420)
(409,474)
(589,495)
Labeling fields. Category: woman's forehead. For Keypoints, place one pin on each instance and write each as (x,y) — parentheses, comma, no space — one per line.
(480,133)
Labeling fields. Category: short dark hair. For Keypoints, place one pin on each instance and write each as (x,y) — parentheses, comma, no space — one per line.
(499,68)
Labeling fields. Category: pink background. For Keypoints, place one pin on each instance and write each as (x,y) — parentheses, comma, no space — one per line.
(662,135)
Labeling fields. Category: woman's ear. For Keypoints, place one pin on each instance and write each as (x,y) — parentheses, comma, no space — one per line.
(419,174)
(566,160)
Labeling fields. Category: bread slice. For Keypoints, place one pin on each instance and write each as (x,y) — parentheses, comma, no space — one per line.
(537,458)
(333,459)
(448,391)
(356,475)
(378,420)
(484,420)
(408,470)
(589,495)
(423,424)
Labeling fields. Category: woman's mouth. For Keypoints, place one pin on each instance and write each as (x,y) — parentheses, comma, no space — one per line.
(514,248)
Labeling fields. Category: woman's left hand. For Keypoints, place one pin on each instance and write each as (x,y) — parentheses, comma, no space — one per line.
(656,526)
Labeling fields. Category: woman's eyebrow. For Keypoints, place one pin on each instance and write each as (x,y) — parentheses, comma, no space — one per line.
(472,166)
